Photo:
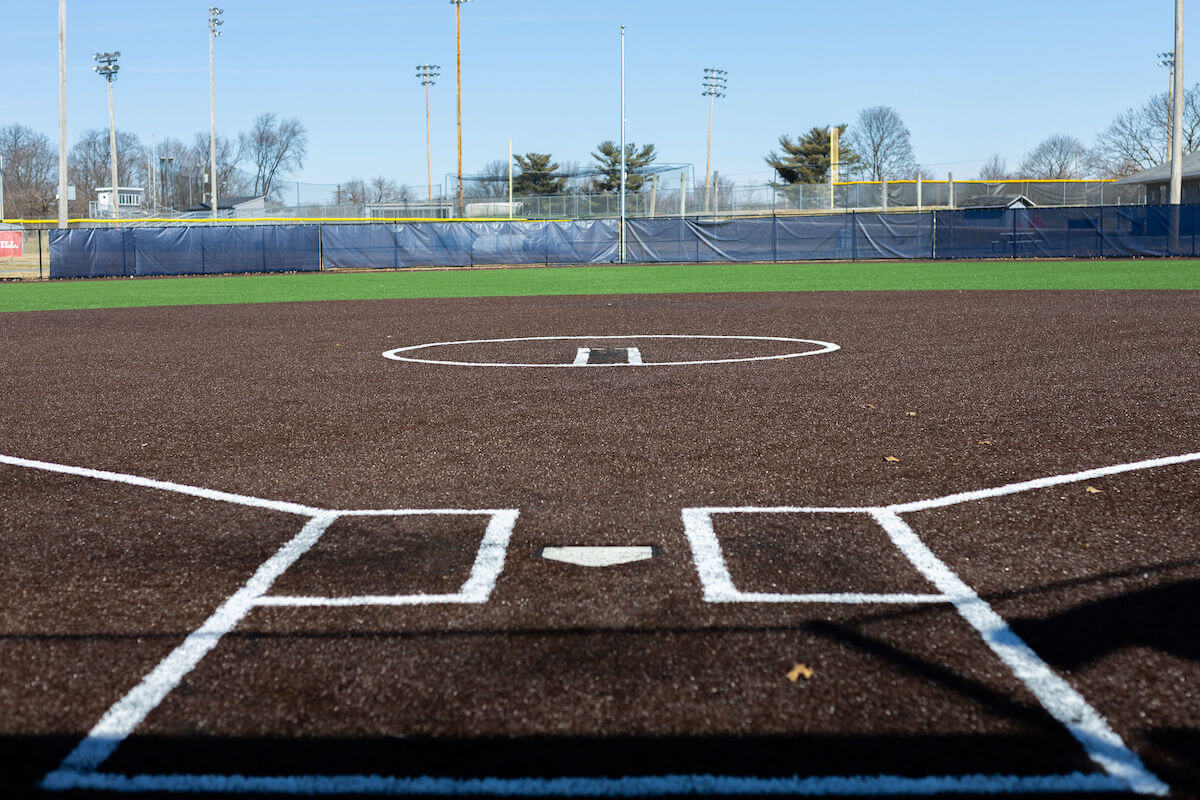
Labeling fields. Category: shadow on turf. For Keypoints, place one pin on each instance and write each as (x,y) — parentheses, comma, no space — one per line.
(1163,617)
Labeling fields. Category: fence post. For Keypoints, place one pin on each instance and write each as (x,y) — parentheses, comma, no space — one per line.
(320,247)
(950,187)
(853,237)
(883,193)
(774,237)
(918,192)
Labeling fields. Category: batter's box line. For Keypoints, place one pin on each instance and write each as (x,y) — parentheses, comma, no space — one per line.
(80,768)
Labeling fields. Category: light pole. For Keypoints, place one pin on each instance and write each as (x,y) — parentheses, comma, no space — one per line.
(62,113)
(164,171)
(1177,108)
(1167,60)
(621,233)
(458,78)
(714,87)
(214,22)
(108,67)
(428,73)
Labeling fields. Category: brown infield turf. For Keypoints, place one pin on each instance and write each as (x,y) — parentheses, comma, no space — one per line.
(622,670)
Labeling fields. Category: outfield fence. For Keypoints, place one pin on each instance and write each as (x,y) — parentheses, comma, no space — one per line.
(1097,232)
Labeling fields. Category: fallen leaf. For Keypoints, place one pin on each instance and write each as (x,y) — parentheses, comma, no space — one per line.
(868,405)
(799,671)
(910,413)
(985,441)
(893,459)
(1092,490)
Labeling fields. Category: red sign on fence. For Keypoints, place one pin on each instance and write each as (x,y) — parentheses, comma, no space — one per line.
(10,243)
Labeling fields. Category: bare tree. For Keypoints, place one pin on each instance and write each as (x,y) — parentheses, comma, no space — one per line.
(275,147)
(175,169)
(1137,138)
(89,164)
(883,143)
(994,169)
(1056,157)
(231,182)
(379,189)
(489,182)
(30,172)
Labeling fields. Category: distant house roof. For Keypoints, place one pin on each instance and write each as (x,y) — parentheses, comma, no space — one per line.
(996,201)
(227,203)
(1161,173)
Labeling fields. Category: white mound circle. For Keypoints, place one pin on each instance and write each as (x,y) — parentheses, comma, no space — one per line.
(814,347)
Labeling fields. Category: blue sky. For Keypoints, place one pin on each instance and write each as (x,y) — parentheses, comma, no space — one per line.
(969,78)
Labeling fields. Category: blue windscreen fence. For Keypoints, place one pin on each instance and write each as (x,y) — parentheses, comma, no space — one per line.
(1099,232)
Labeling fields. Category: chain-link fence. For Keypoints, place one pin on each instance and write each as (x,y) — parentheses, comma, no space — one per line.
(24,251)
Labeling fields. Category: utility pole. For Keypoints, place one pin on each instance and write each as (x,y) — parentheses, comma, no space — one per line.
(1177,109)
(214,22)
(714,87)
(621,234)
(428,73)
(108,67)
(458,79)
(62,113)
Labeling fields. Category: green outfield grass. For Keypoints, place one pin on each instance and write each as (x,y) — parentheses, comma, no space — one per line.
(651,279)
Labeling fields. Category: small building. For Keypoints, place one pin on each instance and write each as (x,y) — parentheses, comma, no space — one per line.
(129,200)
(1156,181)
(996,201)
(252,206)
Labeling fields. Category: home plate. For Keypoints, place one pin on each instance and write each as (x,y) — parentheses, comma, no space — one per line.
(598,556)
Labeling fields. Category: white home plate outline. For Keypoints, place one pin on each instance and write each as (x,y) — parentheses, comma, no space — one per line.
(1123,771)
(821,347)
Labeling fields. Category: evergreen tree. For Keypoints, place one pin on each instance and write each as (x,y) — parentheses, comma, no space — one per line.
(806,160)
(608,158)
(537,175)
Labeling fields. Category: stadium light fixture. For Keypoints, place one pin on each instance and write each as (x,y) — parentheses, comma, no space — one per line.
(458,77)
(214,24)
(714,87)
(1167,60)
(107,67)
(428,75)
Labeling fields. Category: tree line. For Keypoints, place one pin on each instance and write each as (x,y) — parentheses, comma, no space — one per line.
(876,147)
(272,148)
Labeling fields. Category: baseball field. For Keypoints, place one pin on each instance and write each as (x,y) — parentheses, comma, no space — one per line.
(724,530)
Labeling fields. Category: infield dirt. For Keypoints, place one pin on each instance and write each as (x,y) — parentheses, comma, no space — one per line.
(623,670)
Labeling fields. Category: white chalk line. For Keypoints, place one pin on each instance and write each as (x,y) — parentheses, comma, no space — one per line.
(166,486)
(822,347)
(489,563)
(717,583)
(1058,697)
(630,786)
(1124,768)
(1039,483)
(128,712)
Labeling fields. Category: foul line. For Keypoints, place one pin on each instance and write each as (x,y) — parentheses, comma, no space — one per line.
(166,486)
(128,712)
(1057,696)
